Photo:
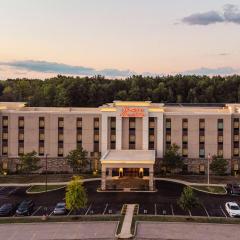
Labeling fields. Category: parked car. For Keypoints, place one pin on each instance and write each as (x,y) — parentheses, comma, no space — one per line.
(233,188)
(7,209)
(233,209)
(25,208)
(60,209)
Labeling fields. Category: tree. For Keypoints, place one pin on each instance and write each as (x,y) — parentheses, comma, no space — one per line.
(77,159)
(188,200)
(172,159)
(218,165)
(76,196)
(29,162)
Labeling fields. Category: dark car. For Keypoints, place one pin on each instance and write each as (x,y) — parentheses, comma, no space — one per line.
(25,208)
(7,209)
(233,188)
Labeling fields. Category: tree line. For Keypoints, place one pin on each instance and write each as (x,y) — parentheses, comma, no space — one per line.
(64,91)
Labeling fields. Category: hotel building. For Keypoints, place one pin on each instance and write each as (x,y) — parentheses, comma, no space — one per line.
(121,138)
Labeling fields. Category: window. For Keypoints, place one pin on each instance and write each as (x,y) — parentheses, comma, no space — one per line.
(5,136)
(220,139)
(60,137)
(21,136)
(168,138)
(220,124)
(60,151)
(201,124)
(151,138)
(185,138)
(113,122)
(79,122)
(132,138)
(236,123)
(236,151)
(151,124)
(41,150)
(96,137)
(201,139)
(131,124)
(41,136)
(236,138)
(96,122)
(201,168)
(113,138)
(185,124)
(5,121)
(185,152)
(60,122)
(201,153)
(79,137)
(168,123)
(20,150)
(4,150)
(41,122)
(21,122)
(220,152)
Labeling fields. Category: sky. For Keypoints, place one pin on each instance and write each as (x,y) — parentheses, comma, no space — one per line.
(40,39)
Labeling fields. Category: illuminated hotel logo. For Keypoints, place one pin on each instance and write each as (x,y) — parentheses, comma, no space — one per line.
(132,112)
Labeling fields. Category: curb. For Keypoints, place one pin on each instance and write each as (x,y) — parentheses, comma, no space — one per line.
(28,190)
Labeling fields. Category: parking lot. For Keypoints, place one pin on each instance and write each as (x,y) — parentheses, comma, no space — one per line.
(163,202)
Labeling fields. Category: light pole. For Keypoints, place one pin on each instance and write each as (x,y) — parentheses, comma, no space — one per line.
(209,158)
(46,169)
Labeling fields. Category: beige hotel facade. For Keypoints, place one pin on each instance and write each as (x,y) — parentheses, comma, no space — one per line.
(122,138)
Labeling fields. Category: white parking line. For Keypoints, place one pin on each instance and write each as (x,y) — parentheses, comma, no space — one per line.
(36,211)
(189,212)
(205,210)
(70,212)
(51,213)
(223,212)
(155,208)
(12,191)
(105,209)
(172,209)
(88,209)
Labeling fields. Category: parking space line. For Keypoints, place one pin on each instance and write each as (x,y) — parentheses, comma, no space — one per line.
(88,209)
(51,213)
(223,211)
(205,210)
(70,212)
(155,208)
(105,209)
(190,214)
(12,191)
(36,210)
(172,209)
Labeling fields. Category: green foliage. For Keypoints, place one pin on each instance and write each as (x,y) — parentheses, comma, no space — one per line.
(77,159)
(76,196)
(218,165)
(29,162)
(172,159)
(63,91)
(188,200)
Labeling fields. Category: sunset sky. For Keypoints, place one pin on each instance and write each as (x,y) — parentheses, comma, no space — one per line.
(44,38)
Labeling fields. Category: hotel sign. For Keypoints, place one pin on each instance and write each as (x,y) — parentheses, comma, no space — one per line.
(132,112)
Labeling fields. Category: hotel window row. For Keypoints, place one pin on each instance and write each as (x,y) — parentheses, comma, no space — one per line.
(113,133)
(60,136)
(5,135)
(132,133)
(220,138)
(185,137)
(41,142)
(202,138)
(151,132)
(236,137)
(20,135)
(79,132)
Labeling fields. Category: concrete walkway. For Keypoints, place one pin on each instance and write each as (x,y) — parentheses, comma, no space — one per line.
(127,222)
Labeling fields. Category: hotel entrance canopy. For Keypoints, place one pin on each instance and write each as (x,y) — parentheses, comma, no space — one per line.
(128,157)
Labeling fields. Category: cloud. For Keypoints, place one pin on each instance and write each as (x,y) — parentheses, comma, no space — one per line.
(230,14)
(203,18)
(212,71)
(60,68)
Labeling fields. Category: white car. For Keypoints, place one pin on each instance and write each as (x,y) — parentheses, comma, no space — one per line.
(233,209)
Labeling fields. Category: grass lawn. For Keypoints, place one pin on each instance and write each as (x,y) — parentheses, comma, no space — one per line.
(42,188)
(211,189)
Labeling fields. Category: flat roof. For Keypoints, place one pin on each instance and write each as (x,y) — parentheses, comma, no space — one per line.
(129,156)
